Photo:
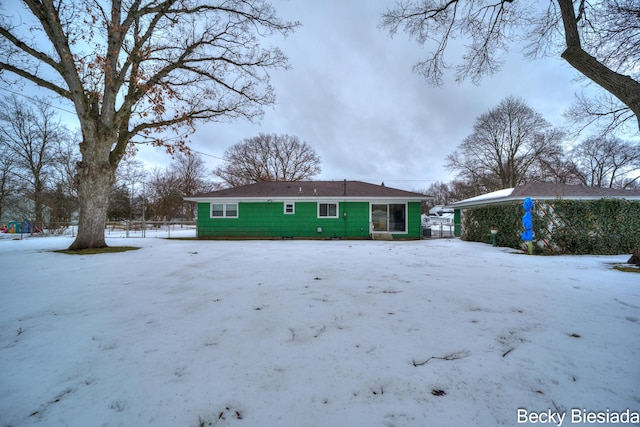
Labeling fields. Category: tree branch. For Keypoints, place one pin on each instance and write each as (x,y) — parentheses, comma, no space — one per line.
(622,87)
(35,79)
(452,356)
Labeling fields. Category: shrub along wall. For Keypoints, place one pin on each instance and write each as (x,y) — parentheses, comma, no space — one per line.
(599,227)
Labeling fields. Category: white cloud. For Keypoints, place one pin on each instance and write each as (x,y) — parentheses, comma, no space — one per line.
(353,96)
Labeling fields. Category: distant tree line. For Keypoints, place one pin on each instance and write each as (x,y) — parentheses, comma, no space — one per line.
(37,163)
(39,156)
(157,195)
(511,144)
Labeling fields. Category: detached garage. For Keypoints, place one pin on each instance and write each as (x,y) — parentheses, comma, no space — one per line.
(572,219)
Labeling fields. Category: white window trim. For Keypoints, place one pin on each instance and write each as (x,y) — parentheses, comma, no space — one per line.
(224,210)
(293,205)
(337,215)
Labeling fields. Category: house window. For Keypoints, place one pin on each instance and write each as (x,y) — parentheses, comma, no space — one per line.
(217,209)
(231,210)
(289,208)
(327,210)
(389,217)
(224,210)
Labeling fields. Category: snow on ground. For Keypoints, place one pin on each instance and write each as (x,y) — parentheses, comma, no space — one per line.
(311,333)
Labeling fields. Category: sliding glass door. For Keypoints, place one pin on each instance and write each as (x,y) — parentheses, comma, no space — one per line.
(389,217)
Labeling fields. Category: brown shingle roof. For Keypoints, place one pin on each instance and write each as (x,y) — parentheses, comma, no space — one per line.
(310,189)
(547,191)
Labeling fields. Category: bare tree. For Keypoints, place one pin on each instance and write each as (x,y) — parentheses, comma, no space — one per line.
(193,178)
(120,207)
(445,193)
(600,39)
(441,193)
(461,189)
(509,146)
(165,188)
(165,195)
(62,195)
(611,30)
(607,162)
(557,168)
(602,113)
(269,157)
(8,174)
(131,175)
(63,206)
(67,157)
(136,71)
(31,135)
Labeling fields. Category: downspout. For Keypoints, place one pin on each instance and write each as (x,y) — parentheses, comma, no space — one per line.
(344,214)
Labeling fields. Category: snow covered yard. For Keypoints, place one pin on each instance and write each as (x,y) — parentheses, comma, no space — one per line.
(311,333)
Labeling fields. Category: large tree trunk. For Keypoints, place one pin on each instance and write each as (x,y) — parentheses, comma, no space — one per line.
(95,179)
(38,204)
(93,195)
(622,87)
(635,257)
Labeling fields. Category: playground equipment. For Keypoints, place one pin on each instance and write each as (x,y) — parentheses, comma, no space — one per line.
(26,226)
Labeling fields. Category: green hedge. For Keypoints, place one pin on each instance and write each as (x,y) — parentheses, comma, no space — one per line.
(599,227)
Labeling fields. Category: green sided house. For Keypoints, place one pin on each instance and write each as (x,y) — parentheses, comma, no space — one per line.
(309,209)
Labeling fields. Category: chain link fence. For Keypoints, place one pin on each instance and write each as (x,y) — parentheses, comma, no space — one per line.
(131,229)
(440,230)
(163,229)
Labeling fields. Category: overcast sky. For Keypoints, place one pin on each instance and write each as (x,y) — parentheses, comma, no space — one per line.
(352,95)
